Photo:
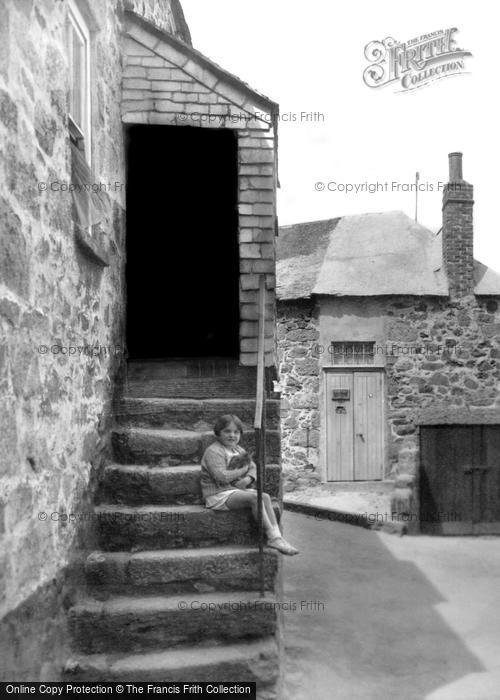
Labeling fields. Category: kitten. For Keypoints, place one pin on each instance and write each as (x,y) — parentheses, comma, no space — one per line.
(239,461)
(243,460)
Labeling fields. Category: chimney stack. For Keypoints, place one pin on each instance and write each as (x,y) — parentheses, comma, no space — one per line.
(458,230)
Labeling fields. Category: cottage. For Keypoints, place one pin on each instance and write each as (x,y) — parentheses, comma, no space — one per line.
(389,344)
(138,221)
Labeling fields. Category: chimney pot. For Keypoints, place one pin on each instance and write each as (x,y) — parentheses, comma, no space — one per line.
(455,165)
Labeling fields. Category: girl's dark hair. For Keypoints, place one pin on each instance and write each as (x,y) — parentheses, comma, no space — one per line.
(223,421)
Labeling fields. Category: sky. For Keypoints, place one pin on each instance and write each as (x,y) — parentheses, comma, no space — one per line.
(309,57)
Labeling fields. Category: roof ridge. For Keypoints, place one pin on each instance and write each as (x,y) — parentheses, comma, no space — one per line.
(188,49)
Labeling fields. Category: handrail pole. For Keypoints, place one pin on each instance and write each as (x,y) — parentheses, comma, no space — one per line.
(259,426)
(264,428)
(260,353)
(258,435)
(262,483)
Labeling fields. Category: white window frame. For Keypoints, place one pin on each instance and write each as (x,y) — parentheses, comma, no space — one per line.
(79,25)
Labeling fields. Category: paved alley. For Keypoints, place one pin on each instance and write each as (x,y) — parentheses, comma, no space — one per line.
(410,617)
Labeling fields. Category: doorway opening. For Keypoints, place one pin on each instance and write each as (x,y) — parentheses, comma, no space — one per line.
(182,270)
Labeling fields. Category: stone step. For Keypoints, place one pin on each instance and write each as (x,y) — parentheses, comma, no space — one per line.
(174,447)
(166,527)
(256,661)
(136,484)
(189,414)
(189,378)
(133,624)
(171,572)
(380,486)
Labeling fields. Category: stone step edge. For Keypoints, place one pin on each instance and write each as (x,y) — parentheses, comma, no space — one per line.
(170,468)
(368,486)
(186,552)
(179,432)
(169,400)
(188,658)
(154,507)
(122,604)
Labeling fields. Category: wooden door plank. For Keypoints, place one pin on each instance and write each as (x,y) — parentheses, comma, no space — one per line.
(368,426)
(339,416)
(445,488)
(489,480)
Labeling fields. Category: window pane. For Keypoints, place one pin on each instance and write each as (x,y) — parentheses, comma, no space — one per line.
(369,353)
(349,353)
(78,80)
(78,47)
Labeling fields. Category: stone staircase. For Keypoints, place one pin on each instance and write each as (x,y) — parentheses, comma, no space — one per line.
(172,594)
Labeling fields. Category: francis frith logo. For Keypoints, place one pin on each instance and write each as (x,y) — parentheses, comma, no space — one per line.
(414,63)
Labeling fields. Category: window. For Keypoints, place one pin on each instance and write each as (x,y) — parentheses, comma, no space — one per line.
(89,203)
(352,353)
(79,80)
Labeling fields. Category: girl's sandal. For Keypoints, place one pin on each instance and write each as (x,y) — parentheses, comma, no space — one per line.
(282,546)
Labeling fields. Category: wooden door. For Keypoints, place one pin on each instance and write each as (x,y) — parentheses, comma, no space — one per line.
(354,426)
(460,480)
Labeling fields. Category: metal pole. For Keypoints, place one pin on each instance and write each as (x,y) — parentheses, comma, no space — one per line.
(263,451)
(259,426)
(417,178)
(259,444)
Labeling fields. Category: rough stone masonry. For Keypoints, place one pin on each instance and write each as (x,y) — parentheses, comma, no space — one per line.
(54,405)
(441,354)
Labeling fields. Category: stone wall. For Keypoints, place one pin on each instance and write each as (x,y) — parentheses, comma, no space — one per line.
(298,334)
(455,378)
(167,83)
(61,317)
(441,360)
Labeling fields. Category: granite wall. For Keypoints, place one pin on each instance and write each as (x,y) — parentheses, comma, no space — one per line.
(299,377)
(61,316)
(441,359)
(445,368)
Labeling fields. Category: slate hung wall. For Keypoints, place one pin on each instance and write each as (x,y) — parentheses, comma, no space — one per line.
(164,83)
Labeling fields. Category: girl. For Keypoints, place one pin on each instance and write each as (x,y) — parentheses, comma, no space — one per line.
(233,489)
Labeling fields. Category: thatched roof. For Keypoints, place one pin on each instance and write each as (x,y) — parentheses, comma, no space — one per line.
(366,255)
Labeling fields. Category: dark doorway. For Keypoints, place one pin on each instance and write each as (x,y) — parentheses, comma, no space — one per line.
(182,267)
(460,479)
